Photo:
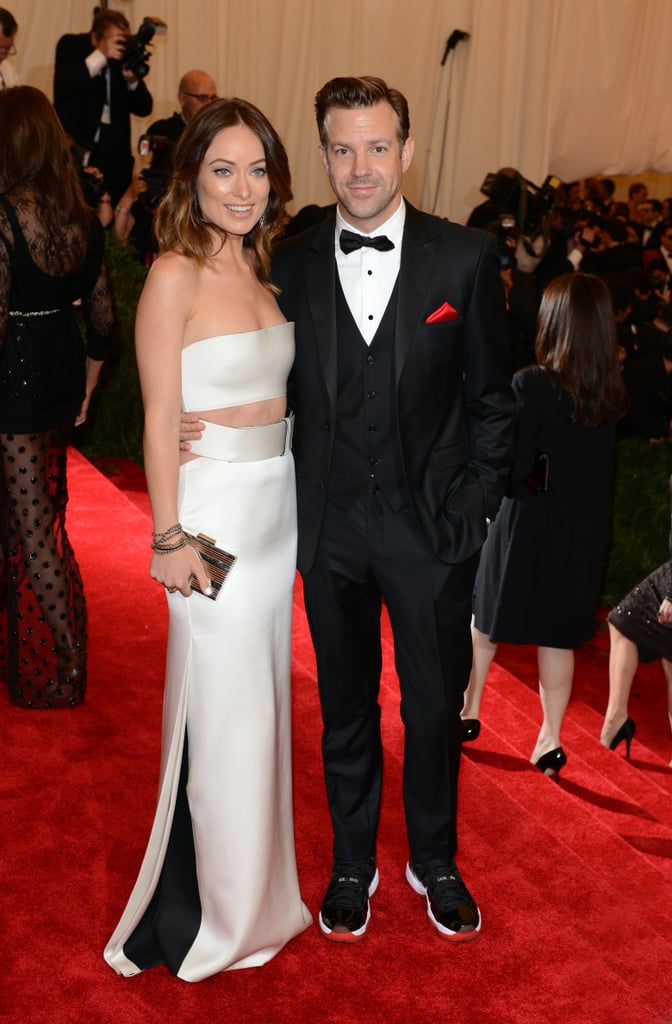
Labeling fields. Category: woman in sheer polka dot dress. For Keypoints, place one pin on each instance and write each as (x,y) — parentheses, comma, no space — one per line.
(51,255)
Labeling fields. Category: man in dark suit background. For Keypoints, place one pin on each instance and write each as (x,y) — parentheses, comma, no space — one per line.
(94,96)
(404,421)
(662,256)
(195,90)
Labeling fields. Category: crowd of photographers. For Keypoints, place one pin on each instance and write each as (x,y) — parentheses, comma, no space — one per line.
(559,228)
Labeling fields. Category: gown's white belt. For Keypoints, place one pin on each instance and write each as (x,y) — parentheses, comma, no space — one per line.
(245,444)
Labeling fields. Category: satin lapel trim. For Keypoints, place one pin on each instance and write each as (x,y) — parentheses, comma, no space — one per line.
(418,267)
(321,291)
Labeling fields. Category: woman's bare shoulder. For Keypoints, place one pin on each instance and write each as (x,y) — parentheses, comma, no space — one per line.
(173,268)
(171,281)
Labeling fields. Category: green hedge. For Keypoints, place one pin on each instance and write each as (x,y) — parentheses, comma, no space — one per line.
(114,424)
(641,519)
(641,516)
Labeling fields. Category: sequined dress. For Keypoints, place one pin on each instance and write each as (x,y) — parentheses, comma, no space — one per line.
(218,887)
(42,384)
(636,616)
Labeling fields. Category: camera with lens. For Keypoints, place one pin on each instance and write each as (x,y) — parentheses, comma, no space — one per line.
(157,175)
(91,179)
(528,203)
(137,49)
(506,241)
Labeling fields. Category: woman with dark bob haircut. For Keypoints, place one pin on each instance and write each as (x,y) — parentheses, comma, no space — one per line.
(51,255)
(539,575)
(218,887)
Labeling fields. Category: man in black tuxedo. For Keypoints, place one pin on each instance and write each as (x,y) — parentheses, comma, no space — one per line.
(404,422)
(94,96)
(650,222)
(662,256)
(614,254)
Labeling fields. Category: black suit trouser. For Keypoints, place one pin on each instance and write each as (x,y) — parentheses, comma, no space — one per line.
(367,554)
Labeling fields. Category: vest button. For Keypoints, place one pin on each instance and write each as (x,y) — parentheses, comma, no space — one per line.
(370,394)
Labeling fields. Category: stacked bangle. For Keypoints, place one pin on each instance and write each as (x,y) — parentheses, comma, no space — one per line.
(160,541)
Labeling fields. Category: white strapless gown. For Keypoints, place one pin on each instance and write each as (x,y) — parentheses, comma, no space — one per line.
(218,886)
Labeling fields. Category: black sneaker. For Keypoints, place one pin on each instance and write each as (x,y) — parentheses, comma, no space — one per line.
(345,911)
(450,905)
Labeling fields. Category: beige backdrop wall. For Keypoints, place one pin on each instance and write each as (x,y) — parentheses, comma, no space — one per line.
(569,87)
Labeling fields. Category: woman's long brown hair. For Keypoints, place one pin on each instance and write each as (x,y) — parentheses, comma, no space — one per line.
(576,342)
(35,160)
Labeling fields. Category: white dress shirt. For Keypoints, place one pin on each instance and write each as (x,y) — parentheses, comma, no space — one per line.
(8,75)
(368,276)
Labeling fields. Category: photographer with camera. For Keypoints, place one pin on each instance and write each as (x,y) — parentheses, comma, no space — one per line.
(134,219)
(98,84)
(134,213)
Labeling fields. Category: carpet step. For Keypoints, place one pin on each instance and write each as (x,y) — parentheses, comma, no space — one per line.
(646,777)
(549,859)
(648,698)
(538,852)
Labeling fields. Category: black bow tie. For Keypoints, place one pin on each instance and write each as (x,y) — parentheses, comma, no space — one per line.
(350,241)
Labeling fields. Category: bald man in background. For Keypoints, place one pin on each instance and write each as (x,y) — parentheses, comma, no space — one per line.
(195,91)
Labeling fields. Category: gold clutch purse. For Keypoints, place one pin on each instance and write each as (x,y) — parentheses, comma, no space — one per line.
(218,562)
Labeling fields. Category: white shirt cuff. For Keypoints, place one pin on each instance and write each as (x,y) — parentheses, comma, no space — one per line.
(575,257)
(95,62)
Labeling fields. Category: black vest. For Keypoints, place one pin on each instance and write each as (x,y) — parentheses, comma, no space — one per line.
(366,451)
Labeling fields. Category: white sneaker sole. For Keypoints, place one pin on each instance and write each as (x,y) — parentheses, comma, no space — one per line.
(348,936)
(461,936)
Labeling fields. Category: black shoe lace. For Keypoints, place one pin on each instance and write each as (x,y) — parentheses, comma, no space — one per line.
(447,890)
(347,891)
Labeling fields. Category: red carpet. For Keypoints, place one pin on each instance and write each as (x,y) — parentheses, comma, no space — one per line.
(574,881)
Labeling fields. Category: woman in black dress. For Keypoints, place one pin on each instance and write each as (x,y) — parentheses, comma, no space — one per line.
(640,629)
(539,574)
(51,255)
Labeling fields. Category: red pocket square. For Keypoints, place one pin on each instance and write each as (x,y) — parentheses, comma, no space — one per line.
(442,314)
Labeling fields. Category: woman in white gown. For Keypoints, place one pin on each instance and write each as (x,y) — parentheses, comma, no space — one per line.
(218,886)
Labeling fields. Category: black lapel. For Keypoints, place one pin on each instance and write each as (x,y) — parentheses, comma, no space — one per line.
(320,271)
(420,247)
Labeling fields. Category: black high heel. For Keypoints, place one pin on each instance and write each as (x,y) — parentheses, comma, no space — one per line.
(626,732)
(471,728)
(551,763)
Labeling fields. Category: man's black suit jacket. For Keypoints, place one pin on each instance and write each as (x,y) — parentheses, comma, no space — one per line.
(79,101)
(454,404)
